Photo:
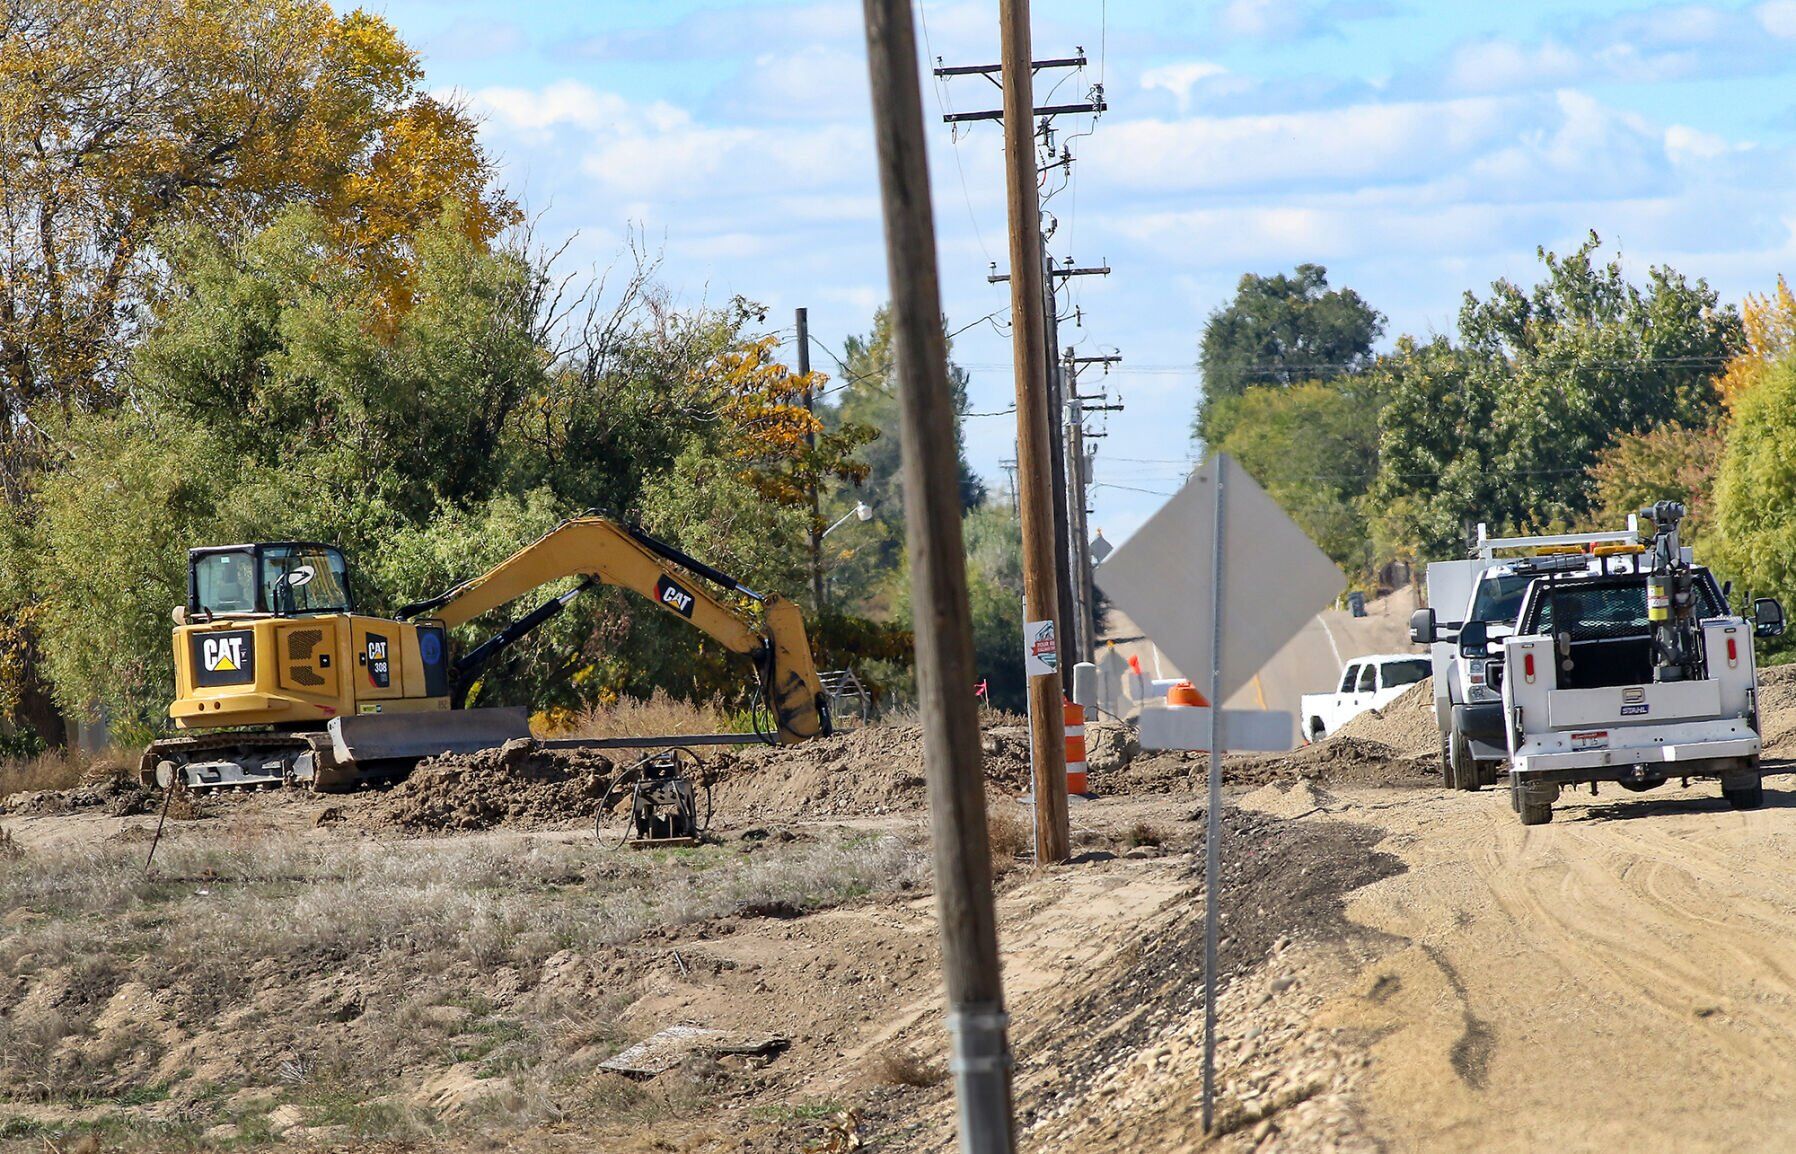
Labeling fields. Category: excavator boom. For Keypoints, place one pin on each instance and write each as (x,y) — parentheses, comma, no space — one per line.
(606,552)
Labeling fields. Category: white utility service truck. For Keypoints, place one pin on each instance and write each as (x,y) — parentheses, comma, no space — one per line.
(1487,587)
(1366,683)
(1627,666)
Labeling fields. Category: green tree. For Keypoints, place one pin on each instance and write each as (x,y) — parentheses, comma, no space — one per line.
(1505,427)
(1278,331)
(866,560)
(1669,463)
(1755,496)
(1314,448)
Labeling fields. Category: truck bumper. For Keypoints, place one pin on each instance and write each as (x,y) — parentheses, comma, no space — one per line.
(1710,757)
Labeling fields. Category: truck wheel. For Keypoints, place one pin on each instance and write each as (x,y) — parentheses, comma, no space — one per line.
(1535,805)
(1744,796)
(1487,773)
(1446,764)
(1463,769)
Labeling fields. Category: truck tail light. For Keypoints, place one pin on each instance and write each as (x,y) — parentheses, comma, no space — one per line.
(1733,653)
(1528,668)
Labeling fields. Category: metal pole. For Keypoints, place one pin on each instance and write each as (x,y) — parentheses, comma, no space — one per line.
(1213,826)
(1066,622)
(810,440)
(952,757)
(1036,427)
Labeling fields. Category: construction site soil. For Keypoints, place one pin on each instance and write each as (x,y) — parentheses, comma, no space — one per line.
(449,964)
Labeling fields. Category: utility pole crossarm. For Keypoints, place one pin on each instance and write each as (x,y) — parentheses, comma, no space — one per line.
(1094,105)
(1062,273)
(998,69)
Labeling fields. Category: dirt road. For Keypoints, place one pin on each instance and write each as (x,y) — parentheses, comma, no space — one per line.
(1622,977)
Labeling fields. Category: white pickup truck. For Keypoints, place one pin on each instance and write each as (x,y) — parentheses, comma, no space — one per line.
(1366,683)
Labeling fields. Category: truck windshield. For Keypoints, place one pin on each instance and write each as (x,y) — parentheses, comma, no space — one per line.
(1405,672)
(1499,598)
(1597,612)
(304,579)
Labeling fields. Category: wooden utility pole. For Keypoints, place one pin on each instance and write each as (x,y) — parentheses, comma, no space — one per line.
(810,440)
(946,673)
(1035,428)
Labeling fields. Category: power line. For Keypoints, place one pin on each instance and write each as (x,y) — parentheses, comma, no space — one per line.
(943,104)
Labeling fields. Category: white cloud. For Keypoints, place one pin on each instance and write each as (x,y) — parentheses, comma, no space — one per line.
(660,151)
(1778,17)
(1361,143)
(1179,79)
(1505,66)
(1261,19)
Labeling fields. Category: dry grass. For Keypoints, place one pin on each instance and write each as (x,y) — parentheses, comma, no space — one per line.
(10,850)
(651,717)
(54,769)
(293,928)
(903,1068)
(1141,833)
(1010,837)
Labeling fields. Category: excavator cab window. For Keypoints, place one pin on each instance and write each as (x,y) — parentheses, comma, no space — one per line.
(282,577)
(225,582)
(304,579)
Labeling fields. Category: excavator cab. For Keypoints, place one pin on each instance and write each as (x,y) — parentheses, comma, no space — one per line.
(278,578)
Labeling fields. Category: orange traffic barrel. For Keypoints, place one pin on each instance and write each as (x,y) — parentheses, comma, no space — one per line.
(1185,693)
(1075,748)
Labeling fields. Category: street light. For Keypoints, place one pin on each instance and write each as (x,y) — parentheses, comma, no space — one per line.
(861,512)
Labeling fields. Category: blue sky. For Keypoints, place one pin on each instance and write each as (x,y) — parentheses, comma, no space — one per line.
(1416,149)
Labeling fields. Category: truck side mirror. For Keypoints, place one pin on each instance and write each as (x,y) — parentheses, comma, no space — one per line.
(1421,627)
(1474,639)
(1767,617)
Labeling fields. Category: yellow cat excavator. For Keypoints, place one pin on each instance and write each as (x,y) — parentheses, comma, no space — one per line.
(279,680)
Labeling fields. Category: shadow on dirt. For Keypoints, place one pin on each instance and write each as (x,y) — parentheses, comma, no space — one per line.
(1647,806)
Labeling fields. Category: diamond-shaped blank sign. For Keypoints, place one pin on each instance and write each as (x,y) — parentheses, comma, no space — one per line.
(1274,577)
(1100,548)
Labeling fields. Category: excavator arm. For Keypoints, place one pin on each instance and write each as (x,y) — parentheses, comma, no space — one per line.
(605,552)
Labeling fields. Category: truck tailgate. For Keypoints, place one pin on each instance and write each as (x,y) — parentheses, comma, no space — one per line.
(1633,704)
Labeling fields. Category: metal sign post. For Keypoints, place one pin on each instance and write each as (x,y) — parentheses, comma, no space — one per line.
(1213,816)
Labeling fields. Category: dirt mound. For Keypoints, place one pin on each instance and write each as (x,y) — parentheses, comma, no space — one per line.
(117,796)
(519,785)
(872,770)
(1777,709)
(1406,723)
(1341,760)
(1298,799)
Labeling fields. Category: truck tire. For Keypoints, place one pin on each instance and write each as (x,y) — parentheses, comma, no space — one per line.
(1487,773)
(1743,791)
(1446,764)
(1534,806)
(1463,768)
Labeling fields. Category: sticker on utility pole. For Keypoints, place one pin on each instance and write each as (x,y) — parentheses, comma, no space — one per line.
(1040,654)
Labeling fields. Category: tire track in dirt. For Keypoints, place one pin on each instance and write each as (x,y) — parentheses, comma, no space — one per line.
(1583,985)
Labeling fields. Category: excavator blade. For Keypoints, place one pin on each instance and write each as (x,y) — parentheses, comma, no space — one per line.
(371,737)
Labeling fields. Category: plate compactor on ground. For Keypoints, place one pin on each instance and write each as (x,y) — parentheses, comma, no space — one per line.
(280,681)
